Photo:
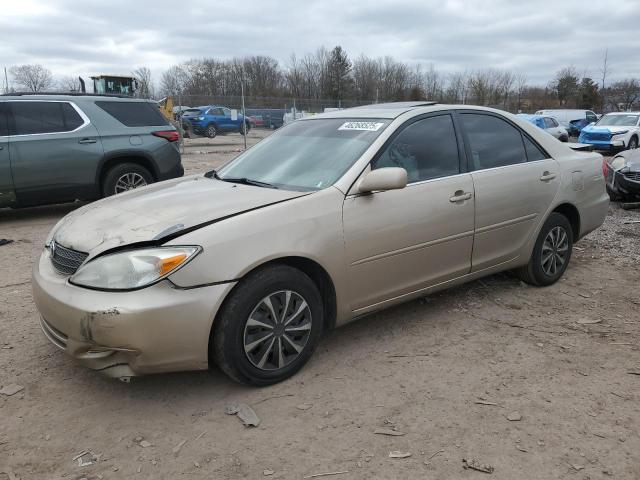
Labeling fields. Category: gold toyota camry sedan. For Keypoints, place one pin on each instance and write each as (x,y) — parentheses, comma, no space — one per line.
(328,219)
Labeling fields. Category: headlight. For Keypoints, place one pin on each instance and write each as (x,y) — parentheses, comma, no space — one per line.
(618,162)
(619,133)
(133,269)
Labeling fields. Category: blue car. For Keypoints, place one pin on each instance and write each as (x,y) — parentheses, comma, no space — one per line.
(213,120)
(548,124)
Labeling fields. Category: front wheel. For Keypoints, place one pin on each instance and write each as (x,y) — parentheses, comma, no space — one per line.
(268,327)
(551,253)
(633,143)
(244,128)
(211,131)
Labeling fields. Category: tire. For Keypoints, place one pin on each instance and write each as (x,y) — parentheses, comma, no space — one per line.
(233,336)
(247,128)
(211,131)
(633,143)
(613,196)
(125,176)
(564,138)
(543,274)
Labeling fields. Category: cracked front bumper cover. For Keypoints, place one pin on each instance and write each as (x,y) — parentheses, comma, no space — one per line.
(157,329)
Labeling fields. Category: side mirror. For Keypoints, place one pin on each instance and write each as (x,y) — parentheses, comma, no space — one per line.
(381,179)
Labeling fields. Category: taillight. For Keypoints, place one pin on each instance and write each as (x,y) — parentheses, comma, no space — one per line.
(169,135)
(605,168)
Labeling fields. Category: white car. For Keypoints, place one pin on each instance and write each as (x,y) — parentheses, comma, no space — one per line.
(618,130)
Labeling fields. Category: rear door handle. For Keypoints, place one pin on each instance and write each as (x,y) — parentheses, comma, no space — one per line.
(460,196)
(546,176)
(87,140)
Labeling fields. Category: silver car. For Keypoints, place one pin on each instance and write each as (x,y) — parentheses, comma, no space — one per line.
(329,219)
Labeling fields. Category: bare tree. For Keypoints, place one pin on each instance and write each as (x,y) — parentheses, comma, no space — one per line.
(173,81)
(521,85)
(69,84)
(145,83)
(624,94)
(34,78)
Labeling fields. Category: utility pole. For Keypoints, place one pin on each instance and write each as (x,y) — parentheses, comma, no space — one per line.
(244,116)
(6,81)
(604,77)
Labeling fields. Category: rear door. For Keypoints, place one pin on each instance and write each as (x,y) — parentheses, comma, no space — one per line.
(401,241)
(7,193)
(515,182)
(55,151)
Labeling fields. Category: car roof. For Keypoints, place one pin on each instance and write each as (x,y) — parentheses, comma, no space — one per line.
(71,97)
(623,113)
(375,110)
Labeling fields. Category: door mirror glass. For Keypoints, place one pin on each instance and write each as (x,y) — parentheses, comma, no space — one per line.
(381,179)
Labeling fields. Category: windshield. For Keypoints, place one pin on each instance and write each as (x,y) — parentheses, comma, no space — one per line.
(307,154)
(192,111)
(618,121)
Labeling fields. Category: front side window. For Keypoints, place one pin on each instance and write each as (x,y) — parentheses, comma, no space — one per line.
(306,154)
(592,117)
(32,117)
(493,142)
(426,149)
(618,121)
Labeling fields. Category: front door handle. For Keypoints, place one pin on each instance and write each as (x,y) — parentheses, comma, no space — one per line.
(87,140)
(546,176)
(460,196)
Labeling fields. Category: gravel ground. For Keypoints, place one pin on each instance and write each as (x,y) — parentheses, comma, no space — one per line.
(515,377)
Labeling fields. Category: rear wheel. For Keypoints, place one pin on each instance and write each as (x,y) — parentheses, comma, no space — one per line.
(125,177)
(211,131)
(269,326)
(551,253)
(244,128)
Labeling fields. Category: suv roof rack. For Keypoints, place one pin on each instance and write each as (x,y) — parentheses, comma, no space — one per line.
(69,94)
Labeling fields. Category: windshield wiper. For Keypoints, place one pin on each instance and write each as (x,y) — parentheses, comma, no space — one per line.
(248,181)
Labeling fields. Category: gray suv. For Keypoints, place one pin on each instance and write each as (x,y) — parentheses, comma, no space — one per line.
(59,148)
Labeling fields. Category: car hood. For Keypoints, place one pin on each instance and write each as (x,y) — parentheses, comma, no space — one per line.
(161,211)
(611,130)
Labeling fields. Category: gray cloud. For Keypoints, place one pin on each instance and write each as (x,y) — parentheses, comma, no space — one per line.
(537,37)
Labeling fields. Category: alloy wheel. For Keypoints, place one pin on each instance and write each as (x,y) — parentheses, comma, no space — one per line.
(554,251)
(277,330)
(129,181)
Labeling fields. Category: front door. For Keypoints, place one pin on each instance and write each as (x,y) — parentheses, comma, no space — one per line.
(515,182)
(7,193)
(400,241)
(55,152)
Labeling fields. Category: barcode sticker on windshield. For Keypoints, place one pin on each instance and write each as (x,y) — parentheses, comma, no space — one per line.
(363,126)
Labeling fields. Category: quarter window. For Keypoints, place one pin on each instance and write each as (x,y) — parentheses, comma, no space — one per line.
(134,114)
(493,141)
(4,128)
(426,149)
(44,117)
(533,151)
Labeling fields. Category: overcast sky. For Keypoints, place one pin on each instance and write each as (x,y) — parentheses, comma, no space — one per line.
(85,37)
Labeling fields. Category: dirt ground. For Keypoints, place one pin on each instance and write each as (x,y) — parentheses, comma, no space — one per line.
(447,371)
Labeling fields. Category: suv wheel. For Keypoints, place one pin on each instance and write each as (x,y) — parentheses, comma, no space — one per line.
(268,327)
(125,177)
(244,128)
(633,143)
(551,253)
(211,131)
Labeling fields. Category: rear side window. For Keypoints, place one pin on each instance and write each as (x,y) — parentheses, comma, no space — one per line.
(44,117)
(426,149)
(134,114)
(493,141)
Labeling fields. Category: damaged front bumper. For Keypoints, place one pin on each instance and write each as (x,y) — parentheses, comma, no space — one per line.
(161,328)
(624,183)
